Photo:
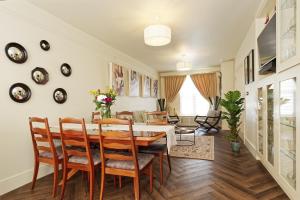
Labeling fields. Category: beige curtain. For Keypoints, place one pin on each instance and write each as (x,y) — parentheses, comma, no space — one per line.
(172,86)
(207,84)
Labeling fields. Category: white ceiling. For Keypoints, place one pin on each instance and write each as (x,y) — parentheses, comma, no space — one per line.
(207,31)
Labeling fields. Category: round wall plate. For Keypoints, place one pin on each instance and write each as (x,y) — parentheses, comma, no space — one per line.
(44,44)
(60,95)
(16,52)
(66,69)
(40,75)
(19,92)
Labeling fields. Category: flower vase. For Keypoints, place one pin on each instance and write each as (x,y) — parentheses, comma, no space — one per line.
(106,112)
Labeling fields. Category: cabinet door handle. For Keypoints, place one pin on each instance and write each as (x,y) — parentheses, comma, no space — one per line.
(247,93)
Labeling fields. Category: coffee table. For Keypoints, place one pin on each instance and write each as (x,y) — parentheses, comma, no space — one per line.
(184,131)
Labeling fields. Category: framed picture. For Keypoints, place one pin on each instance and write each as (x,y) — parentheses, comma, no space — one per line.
(146,86)
(118,79)
(246,70)
(154,88)
(251,66)
(134,83)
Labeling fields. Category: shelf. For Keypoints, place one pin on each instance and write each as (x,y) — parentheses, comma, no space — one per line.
(288,125)
(290,154)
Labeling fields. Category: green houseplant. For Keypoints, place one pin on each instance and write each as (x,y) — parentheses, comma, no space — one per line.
(234,106)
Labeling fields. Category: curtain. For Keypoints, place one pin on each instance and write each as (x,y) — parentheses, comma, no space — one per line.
(207,85)
(172,86)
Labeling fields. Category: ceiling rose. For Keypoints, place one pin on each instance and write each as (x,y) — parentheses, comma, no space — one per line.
(157,35)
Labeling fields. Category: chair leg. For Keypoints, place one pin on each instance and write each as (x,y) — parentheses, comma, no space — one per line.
(64,180)
(102,184)
(92,182)
(136,188)
(151,177)
(55,180)
(120,181)
(169,161)
(161,169)
(35,173)
(115,181)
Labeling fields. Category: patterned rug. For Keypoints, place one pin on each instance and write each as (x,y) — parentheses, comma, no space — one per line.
(202,150)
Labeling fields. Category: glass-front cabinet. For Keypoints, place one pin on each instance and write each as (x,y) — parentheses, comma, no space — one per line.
(288,130)
(260,124)
(288,26)
(270,124)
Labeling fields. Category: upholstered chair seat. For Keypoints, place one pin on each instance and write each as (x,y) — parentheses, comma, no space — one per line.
(84,160)
(143,160)
(47,154)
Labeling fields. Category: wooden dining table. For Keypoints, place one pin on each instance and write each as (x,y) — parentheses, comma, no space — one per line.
(144,134)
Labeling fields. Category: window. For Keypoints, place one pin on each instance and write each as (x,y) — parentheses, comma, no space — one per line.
(191,101)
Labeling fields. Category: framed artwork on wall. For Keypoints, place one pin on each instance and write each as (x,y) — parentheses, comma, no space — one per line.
(154,88)
(118,79)
(134,83)
(246,70)
(251,66)
(146,86)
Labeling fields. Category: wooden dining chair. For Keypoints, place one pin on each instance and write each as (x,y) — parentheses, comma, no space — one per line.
(124,115)
(44,149)
(96,116)
(158,149)
(77,152)
(119,155)
(157,118)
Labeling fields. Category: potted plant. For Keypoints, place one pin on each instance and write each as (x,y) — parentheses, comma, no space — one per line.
(234,106)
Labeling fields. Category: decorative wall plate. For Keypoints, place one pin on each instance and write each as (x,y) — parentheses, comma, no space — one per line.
(66,69)
(60,95)
(16,52)
(40,75)
(19,92)
(44,44)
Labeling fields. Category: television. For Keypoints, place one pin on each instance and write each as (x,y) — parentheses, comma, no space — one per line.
(267,47)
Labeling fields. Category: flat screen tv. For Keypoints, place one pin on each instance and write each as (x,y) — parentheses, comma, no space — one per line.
(267,47)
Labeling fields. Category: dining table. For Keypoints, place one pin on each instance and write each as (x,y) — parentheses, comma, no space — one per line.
(144,134)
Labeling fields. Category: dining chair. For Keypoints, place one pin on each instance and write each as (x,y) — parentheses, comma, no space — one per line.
(119,155)
(44,149)
(124,115)
(95,117)
(158,149)
(157,118)
(77,152)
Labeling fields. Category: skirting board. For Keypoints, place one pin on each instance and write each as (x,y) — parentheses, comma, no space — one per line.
(18,180)
(251,148)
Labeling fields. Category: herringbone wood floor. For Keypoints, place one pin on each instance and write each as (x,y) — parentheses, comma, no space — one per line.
(227,177)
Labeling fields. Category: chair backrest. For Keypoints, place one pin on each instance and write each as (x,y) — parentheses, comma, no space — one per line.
(124,115)
(157,118)
(95,117)
(41,137)
(214,116)
(74,139)
(118,141)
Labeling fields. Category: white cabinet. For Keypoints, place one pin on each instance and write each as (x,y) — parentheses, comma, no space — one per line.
(288,34)
(278,128)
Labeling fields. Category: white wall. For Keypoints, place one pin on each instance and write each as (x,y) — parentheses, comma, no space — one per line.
(248,43)
(227,70)
(26,24)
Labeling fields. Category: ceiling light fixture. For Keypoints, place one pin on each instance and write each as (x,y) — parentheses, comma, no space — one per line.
(157,35)
(183,65)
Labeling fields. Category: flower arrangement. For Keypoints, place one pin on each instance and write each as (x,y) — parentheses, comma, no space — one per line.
(104,100)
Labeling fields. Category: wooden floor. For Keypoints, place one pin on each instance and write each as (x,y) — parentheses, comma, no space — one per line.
(227,177)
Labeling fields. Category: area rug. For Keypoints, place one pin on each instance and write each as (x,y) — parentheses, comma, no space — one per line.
(202,150)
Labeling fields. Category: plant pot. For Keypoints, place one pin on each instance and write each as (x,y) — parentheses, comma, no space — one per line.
(235,146)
